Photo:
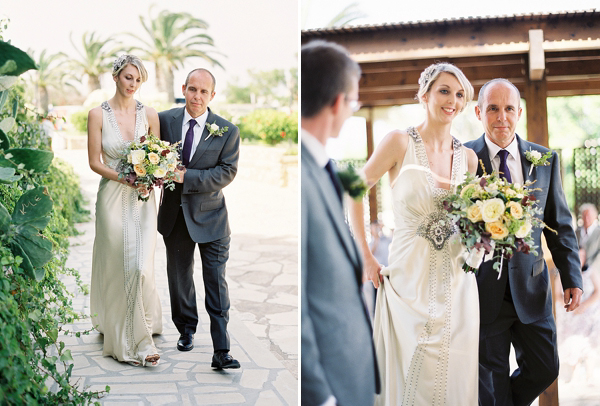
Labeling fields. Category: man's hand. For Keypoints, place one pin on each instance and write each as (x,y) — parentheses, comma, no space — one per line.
(572,298)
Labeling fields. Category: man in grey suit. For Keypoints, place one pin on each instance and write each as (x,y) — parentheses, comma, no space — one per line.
(517,308)
(589,236)
(338,363)
(194,213)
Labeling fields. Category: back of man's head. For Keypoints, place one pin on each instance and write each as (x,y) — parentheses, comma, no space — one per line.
(326,71)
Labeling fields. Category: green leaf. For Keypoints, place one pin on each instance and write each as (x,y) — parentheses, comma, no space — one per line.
(3,97)
(53,334)
(39,274)
(33,204)
(15,107)
(4,141)
(7,175)
(29,159)
(4,219)
(26,263)
(22,61)
(66,356)
(35,315)
(37,248)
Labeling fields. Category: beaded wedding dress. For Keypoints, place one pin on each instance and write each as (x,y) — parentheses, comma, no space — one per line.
(426,326)
(124,302)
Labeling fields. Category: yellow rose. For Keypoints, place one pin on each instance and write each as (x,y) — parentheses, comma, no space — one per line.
(509,192)
(516,210)
(497,229)
(137,156)
(492,210)
(139,170)
(159,173)
(155,147)
(523,230)
(153,158)
(171,167)
(474,213)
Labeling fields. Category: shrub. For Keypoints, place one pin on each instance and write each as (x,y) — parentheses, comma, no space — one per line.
(79,120)
(269,126)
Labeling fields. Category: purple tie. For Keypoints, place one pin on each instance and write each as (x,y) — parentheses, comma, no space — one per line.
(503,166)
(187,145)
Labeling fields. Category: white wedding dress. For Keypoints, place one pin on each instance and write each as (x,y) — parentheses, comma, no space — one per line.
(426,326)
(124,302)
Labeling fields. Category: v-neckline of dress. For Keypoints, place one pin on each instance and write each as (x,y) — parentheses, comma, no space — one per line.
(113,120)
(424,161)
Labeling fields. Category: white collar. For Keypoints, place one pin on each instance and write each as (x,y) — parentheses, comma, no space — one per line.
(316,149)
(200,120)
(512,148)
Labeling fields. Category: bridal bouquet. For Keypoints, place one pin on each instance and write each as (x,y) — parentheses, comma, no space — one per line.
(148,163)
(494,218)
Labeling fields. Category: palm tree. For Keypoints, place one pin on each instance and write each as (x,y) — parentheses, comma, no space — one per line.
(168,50)
(95,59)
(346,16)
(48,75)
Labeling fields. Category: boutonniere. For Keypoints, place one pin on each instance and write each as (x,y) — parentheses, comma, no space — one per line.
(215,130)
(353,183)
(537,159)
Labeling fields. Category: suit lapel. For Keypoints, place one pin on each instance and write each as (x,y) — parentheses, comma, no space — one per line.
(204,143)
(335,210)
(525,164)
(176,127)
(482,153)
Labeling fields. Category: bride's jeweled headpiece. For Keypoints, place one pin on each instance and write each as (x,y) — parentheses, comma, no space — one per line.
(119,62)
(426,76)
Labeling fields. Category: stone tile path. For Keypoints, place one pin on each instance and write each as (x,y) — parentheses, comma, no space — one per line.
(263,282)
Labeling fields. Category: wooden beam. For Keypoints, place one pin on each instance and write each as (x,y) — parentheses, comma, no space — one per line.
(537,112)
(537,63)
(370,149)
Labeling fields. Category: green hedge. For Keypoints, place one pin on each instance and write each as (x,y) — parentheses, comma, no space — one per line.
(79,120)
(269,126)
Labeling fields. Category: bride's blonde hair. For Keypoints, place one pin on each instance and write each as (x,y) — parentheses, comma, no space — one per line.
(431,73)
(126,59)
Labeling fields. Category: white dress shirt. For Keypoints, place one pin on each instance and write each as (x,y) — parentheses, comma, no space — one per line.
(198,128)
(513,161)
(316,149)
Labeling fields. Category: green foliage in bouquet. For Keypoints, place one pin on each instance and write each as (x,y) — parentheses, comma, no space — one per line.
(39,203)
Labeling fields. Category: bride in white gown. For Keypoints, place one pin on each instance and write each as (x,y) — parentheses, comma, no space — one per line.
(426,328)
(124,302)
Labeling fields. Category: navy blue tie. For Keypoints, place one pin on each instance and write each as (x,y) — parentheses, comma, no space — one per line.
(187,144)
(505,173)
(330,167)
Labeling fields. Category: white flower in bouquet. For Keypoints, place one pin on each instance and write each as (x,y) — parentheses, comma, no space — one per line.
(516,210)
(153,158)
(159,172)
(171,167)
(524,230)
(474,212)
(154,147)
(129,159)
(137,156)
(536,155)
(492,210)
(170,156)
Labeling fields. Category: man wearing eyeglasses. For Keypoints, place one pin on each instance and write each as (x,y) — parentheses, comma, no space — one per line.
(338,362)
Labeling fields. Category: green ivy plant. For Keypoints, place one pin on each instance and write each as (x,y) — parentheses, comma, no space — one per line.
(40,201)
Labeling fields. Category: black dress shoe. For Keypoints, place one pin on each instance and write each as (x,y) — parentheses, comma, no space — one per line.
(186,342)
(222,360)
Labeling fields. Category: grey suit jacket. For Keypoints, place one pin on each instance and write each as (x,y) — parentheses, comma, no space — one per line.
(337,344)
(528,274)
(591,246)
(212,167)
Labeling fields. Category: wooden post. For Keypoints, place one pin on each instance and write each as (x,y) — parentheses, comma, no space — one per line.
(370,149)
(537,111)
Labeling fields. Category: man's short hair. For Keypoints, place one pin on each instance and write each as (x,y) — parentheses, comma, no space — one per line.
(326,71)
(588,206)
(491,82)
(214,81)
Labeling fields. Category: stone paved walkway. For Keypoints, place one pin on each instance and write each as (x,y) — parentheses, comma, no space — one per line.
(263,282)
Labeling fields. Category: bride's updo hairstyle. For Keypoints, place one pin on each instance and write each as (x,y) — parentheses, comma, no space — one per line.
(430,75)
(133,60)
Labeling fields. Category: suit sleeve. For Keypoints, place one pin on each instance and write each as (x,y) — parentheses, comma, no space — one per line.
(563,244)
(315,388)
(216,178)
